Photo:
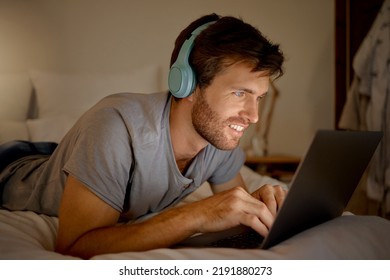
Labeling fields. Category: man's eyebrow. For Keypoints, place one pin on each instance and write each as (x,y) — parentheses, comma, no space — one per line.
(264,94)
(243,89)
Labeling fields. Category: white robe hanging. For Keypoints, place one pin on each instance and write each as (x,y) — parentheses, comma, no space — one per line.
(368,101)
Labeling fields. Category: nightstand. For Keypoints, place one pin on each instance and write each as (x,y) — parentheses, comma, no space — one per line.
(280,167)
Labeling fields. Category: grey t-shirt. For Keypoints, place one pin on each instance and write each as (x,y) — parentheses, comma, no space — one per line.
(121,150)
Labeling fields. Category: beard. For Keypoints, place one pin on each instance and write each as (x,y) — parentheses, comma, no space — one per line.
(210,126)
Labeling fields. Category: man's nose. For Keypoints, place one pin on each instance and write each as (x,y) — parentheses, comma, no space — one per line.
(252,112)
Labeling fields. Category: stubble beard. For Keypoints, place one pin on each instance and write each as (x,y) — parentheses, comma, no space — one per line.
(210,127)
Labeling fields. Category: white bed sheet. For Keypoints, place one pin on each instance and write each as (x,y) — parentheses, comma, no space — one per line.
(27,235)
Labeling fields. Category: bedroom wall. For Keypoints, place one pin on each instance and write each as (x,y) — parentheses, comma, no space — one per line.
(120,35)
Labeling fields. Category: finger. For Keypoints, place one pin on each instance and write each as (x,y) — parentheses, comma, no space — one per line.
(280,195)
(266,194)
(243,196)
(259,213)
(261,229)
(272,195)
(270,201)
(263,219)
(258,226)
(266,206)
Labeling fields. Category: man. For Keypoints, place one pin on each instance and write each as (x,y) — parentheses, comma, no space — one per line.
(132,155)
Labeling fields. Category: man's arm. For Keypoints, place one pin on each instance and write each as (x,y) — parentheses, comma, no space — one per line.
(87,225)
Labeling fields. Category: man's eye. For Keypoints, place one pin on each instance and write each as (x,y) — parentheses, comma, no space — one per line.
(239,93)
(260,97)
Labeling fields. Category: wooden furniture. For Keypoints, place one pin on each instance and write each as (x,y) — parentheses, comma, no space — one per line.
(280,167)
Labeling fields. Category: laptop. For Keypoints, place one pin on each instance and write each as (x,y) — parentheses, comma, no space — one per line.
(320,190)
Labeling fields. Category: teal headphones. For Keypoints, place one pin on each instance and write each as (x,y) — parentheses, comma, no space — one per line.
(181,78)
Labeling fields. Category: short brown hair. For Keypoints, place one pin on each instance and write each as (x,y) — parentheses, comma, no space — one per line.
(227,41)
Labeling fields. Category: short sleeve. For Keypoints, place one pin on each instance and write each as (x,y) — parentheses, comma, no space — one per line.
(228,167)
(101,157)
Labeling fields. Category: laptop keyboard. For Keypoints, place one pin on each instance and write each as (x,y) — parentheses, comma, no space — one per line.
(247,240)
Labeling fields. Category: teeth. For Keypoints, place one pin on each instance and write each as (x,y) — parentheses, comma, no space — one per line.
(236,127)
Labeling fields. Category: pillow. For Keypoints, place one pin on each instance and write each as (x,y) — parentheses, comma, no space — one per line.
(13,130)
(50,129)
(254,180)
(74,93)
(15,95)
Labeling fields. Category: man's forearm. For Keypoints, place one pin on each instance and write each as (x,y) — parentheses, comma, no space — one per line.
(158,232)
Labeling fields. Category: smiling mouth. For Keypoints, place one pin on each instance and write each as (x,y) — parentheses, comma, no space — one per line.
(236,127)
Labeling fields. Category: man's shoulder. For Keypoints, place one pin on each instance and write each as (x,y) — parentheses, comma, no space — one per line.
(143,115)
(133,105)
(137,98)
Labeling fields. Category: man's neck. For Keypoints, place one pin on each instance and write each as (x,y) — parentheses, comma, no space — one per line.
(186,143)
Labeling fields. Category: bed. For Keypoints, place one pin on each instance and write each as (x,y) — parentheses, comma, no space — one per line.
(42,106)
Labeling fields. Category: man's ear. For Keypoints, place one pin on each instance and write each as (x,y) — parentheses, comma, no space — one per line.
(193,95)
(190,98)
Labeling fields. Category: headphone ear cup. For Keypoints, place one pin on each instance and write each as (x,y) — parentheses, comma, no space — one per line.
(181,80)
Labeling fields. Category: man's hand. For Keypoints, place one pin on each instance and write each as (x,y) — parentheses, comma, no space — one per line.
(272,196)
(236,206)
(260,210)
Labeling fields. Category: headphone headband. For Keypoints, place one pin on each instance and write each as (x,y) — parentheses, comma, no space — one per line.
(181,79)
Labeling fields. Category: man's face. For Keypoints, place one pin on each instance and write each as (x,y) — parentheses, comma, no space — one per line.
(223,110)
